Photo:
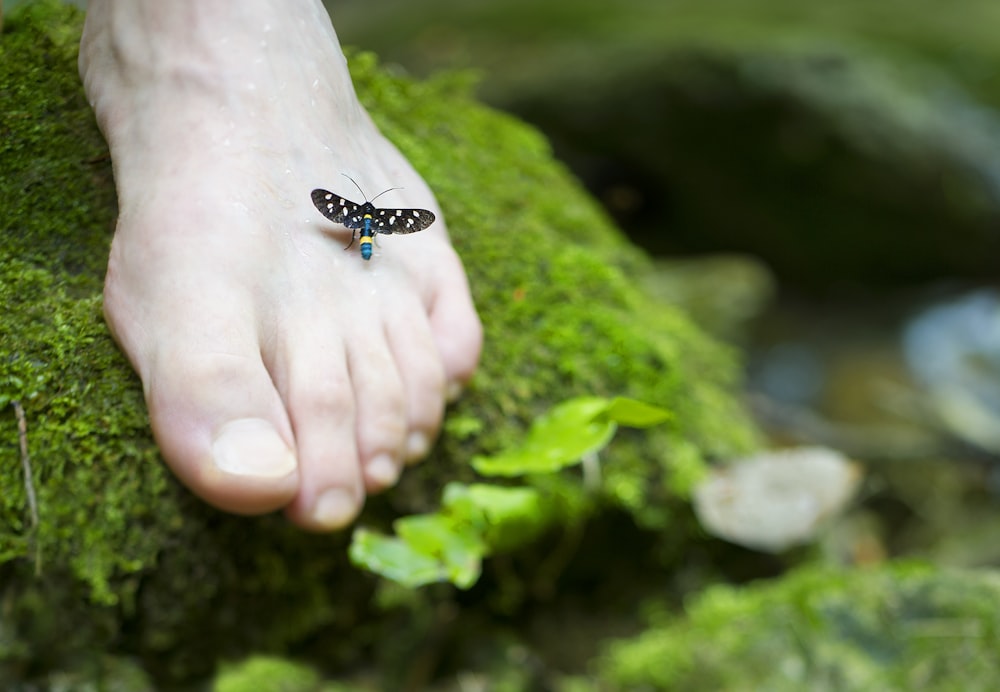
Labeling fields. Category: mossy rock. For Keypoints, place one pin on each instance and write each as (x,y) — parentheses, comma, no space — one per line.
(125,565)
(900,627)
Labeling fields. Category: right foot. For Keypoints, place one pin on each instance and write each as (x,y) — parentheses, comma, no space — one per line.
(279,370)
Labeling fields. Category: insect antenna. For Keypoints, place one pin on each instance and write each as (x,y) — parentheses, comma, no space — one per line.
(363,192)
(383,192)
(356,185)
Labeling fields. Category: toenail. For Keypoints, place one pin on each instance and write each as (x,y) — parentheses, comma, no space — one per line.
(417,445)
(334,508)
(453,391)
(252,447)
(382,471)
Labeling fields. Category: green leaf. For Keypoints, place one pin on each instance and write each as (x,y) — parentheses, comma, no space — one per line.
(513,515)
(558,439)
(446,546)
(460,504)
(395,559)
(456,545)
(634,413)
(463,427)
(427,548)
(497,504)
(450,545)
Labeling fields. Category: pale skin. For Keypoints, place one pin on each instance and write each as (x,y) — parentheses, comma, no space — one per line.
(280,371)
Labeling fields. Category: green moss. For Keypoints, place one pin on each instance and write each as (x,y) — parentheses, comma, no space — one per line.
(56,195)
(902,627)
(261,674)
(130,562)
(562,317)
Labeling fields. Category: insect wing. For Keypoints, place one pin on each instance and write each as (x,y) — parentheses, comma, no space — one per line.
(338,209)
(402,220)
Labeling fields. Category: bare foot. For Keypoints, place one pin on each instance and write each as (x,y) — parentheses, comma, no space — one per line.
(279,370)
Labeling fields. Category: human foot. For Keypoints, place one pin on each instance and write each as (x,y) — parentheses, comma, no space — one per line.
(279,370)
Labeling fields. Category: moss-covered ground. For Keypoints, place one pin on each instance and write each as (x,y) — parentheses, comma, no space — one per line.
(908,627)
(125,565)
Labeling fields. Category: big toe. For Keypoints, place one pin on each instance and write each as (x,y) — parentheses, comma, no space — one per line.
(221,426)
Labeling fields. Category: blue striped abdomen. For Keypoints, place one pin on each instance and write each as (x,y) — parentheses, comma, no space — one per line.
(366,238)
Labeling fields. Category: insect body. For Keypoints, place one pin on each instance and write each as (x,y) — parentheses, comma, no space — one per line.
(367,218)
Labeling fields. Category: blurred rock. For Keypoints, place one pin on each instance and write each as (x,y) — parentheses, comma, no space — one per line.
(953,349)
(773,501)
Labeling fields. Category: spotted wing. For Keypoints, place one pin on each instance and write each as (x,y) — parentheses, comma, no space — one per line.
(338,209)
(393,220)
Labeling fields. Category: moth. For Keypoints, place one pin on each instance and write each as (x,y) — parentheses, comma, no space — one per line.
(368,219)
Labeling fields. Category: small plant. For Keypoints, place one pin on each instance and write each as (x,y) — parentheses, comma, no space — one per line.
(449,545)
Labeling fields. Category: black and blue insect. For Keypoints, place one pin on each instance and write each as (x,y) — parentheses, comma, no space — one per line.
(367,218)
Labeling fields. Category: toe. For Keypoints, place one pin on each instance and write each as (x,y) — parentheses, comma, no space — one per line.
(455,325)
(420,367)
(381,425)
(222,429)
(314,381)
